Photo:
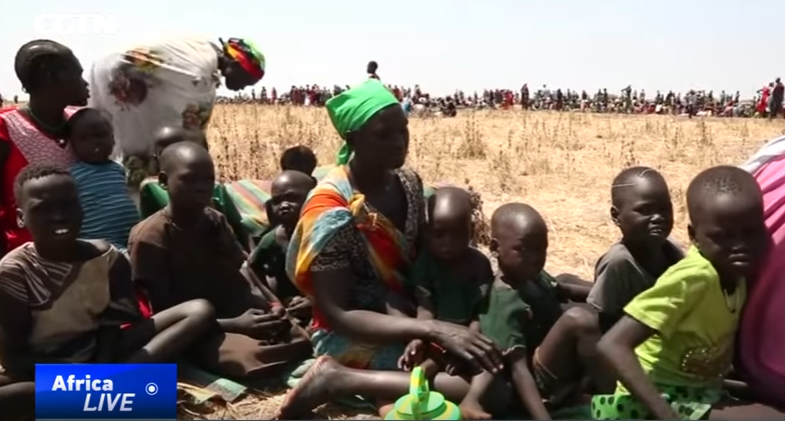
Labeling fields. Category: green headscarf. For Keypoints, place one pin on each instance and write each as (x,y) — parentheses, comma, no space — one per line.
(351,109)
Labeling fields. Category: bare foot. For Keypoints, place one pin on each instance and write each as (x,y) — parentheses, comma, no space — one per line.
(311,391)
(471,410)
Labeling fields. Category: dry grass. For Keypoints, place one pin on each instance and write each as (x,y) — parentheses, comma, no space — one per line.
(560,163)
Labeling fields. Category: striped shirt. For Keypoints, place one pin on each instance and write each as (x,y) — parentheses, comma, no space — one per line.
(109,212)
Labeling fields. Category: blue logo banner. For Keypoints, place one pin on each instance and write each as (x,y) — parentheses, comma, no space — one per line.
(106,391)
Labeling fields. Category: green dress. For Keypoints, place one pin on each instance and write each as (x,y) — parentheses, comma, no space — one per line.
(506,318)
(153,197)
(457,301)
(521,318)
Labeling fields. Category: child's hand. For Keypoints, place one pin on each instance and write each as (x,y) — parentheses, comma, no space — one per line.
(257,324)
(412,355)
(300,307)
(277,309)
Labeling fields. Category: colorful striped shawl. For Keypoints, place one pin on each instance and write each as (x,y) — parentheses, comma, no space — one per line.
(331,206)
(249,197)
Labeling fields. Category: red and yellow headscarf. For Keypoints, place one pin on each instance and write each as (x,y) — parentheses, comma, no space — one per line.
(245,53)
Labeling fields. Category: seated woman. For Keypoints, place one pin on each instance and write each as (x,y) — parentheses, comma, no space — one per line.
(65,300)
(187,251)
(355,244)
(153,196)
(33,134)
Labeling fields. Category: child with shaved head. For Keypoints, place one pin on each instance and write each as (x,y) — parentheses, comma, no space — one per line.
(451,279)
(545,347)
(153,197)
(288,192)
(675,343)
(187,250)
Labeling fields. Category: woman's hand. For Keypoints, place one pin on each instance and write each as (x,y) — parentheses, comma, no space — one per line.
(469,345)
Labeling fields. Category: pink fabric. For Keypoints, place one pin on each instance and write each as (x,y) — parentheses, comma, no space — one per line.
(35,146)
(761,345)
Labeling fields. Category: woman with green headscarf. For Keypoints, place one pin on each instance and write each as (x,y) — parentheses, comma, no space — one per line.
(169,82)
(351,254)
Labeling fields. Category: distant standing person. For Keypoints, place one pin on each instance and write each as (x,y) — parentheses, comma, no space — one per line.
(171,82)
(372,68)
(775,107)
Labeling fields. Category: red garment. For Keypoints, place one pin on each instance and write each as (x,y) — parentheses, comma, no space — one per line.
(764,99)
(26,144)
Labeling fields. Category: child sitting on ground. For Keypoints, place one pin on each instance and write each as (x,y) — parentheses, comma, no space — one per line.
(298,158)
(545,348)
(675,343)
(268,259)
(451,279)
(642,209)
(187,251)
(153,197)
(67,300)
(109,211)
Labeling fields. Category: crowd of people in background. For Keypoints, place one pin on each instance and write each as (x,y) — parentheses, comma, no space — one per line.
(766,102)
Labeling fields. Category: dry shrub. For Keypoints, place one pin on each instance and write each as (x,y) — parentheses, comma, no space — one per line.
(560,163)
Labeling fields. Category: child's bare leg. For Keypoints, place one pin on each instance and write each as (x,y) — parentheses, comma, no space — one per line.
(168,333)
(568,348)
(328,379)
(471,408)
(587,326)
(17,399)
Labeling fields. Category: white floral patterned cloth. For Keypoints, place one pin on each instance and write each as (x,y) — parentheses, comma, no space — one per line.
(172,81)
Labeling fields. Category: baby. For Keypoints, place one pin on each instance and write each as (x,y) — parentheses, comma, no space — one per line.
(267,261)
(109,211)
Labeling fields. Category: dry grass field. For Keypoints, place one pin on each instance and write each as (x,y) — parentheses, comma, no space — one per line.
(560,163)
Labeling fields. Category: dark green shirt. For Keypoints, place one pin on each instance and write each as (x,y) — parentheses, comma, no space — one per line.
(268,260)
(455,300)
(521,317)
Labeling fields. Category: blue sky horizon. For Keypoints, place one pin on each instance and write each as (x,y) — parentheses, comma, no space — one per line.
(447,45)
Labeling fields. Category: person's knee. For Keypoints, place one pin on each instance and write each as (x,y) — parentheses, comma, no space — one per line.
(570,279)
(582,321)
(198,310)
